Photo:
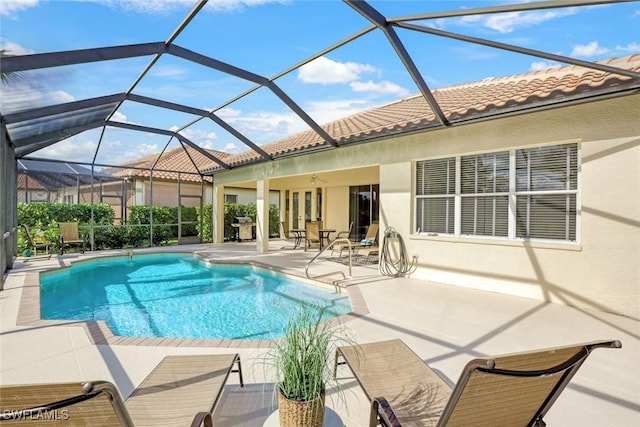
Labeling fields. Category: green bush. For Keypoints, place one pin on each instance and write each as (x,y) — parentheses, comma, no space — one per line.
(43,218)
(166,216)
(50,214)
(120,236)
(204,218)
(189,214)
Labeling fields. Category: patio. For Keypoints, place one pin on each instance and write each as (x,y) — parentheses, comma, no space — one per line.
(445,325)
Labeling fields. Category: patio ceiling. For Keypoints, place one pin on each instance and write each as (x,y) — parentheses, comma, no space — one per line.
(37,127)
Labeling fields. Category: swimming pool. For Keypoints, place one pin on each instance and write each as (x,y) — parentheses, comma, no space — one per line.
(180,295)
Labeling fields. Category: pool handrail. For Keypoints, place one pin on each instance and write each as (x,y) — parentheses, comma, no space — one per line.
(323,250)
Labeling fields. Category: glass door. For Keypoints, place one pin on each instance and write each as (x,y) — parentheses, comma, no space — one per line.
(303,203)
(295,210)
(363,208)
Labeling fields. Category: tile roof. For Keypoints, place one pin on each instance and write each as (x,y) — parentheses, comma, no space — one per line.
(25,181)
(170,164)
(460,103)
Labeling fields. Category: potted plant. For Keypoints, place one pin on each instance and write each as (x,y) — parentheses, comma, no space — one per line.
(301,363)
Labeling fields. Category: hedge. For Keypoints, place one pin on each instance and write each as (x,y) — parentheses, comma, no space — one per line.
(43,218)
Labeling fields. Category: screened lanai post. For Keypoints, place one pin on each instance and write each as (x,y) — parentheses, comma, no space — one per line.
(262,211)
(179,209)
(11,182)
(217,211)
(151,207)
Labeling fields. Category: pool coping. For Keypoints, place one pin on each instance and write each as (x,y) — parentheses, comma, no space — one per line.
(99,333)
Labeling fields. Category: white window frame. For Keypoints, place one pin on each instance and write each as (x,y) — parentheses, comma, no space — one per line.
(512,199)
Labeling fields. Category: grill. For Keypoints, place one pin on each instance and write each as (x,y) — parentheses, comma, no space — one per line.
(243,227)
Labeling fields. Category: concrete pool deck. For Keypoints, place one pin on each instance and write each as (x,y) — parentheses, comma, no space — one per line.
(445,325)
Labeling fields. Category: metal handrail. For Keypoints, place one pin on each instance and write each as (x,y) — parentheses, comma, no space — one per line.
(330,245)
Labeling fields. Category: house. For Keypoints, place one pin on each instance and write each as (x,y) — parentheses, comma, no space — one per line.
(57,182)
(170,178)
(531,189)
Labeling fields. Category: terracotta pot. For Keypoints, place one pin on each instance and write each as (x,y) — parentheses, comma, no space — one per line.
(294,413)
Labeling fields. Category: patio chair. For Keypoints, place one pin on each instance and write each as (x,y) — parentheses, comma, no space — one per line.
(179,391)
(69,236)
(514,390)
(312,233)
(344,234)
(37,242)
(370,239)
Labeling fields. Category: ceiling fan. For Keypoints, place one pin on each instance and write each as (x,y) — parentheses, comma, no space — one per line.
(315,179)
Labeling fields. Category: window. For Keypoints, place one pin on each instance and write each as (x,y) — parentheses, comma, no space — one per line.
(435,192)
(546,192)
(231,198)
(484,188)
(515,194)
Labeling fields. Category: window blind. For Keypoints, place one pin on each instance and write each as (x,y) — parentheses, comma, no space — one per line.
(545,193)
(435,189)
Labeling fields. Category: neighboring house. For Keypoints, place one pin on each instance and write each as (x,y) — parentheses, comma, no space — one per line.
(30,190)
(532,191)
(169,179)
(58,182)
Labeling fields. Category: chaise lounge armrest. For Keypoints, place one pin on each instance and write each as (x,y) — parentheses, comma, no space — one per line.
(381,409)
(202,419)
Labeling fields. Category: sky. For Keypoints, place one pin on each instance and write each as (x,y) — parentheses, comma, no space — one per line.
(268,37)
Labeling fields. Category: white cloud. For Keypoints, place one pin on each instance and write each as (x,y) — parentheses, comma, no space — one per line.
(269,126)
(198,136)
(227,113)
(168,71)
(168,6)
(327,71)
(632,47)
(383,87)
(72,149)
(230,147)
(328,111)
(510,21)
(588,50)
(542,65)
(119,117)
(60,96)
(14,48)
(21,95)
(82,148)
(11,7)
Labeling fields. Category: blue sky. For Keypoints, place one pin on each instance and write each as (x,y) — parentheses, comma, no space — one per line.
(267,37)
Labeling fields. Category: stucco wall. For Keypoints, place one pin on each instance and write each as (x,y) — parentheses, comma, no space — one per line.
(601,271)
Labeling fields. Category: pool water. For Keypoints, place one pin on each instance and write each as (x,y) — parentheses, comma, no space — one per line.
(179,295)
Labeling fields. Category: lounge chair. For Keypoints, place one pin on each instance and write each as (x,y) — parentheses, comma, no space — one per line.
(344,234)
(36,242)
(179,391)
(69,236)
(370,240)
(514,390)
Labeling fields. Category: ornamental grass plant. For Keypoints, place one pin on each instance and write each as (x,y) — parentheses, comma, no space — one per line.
(302,358)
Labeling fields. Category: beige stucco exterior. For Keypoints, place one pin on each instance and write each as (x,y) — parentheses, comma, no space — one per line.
(600,271)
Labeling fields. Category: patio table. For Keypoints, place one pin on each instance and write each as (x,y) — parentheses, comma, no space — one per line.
(298,235)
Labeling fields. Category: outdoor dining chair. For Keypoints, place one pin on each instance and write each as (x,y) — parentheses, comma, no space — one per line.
(69,235)
(36,242)
(312,233)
